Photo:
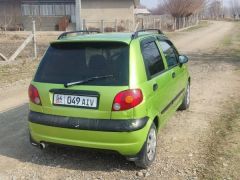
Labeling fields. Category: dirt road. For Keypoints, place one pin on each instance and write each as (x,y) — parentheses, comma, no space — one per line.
(183,145)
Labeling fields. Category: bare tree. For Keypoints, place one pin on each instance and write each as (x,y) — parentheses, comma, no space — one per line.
(215,9)
(235,9)
(181,10)
(8,15)
(7,21)
(159,10)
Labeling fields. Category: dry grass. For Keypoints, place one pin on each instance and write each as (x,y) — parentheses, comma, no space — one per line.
(224,147)
(23,68)
(223,153)
(202,24)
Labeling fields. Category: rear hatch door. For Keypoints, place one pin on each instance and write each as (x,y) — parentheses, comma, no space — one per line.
(81,79)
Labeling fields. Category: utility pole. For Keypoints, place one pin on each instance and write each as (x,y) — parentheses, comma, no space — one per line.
(78,4)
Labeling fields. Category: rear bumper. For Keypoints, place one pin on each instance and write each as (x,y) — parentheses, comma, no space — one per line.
(126,138)
(87,124)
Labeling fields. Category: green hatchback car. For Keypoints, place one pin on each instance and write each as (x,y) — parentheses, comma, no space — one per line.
(110,91)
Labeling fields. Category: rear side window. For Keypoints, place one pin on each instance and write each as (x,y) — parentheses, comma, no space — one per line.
(170,53)
(71,62)
(152,58)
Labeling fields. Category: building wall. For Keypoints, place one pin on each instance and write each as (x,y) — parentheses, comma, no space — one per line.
(91,9)
(113,13)
(10,13)
(107,10)
(23,11)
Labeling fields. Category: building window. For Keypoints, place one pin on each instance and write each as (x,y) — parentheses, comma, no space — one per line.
(48,9)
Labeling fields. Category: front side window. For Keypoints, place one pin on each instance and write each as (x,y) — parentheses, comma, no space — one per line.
(152,58)
(170,53)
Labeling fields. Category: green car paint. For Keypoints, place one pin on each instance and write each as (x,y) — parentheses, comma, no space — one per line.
(158,104)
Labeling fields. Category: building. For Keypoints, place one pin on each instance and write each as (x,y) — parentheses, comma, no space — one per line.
(141,12)
(48,14)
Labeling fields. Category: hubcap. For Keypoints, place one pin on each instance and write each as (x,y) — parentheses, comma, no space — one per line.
(188,94)
(151,145)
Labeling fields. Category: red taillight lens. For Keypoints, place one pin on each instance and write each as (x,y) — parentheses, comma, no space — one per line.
(34,95)
(127,99)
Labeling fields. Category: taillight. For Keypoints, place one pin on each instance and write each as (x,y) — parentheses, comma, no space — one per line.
(34,95)
(127,99)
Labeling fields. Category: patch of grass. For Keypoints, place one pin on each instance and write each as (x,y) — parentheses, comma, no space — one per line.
(224,148)
(202,24)
(23,67)
(227,40)
(223,154)
(231,43)
(16,71)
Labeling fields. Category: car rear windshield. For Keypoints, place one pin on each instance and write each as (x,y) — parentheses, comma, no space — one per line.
(70,62)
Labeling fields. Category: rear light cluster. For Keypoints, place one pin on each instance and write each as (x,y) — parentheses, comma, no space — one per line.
(34,95)
(127,99)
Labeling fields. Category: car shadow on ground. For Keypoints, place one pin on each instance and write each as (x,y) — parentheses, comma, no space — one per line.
(14,143)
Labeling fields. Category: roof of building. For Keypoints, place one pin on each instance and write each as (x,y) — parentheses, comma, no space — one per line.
(141,11)
(136,2)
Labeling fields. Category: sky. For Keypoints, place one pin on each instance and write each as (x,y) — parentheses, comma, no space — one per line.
(153,3)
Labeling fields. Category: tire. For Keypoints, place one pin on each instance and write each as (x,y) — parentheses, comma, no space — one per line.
(148,152)
(186,101)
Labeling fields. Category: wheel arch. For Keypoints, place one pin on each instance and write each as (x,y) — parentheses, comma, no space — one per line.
(156,122)
(189,80)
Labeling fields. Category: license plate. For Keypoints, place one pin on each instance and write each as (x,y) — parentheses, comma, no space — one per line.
(75,101)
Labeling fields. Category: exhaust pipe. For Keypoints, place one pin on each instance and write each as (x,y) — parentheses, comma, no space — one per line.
(42,145)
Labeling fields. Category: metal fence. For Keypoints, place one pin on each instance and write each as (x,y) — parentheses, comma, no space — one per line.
(163,22)
(53,23)
(166,22)
(109,26)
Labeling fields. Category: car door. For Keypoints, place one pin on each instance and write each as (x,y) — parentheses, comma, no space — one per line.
(174,67)
(158,77)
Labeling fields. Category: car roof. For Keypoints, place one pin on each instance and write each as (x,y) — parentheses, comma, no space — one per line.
(116,37)
(106,37)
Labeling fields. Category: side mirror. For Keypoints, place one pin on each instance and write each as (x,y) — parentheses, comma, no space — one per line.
(183,59)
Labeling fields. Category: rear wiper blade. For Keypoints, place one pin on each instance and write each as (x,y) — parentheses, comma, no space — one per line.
(86,80)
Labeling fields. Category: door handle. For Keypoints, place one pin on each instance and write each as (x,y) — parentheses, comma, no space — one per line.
(155,87)
(173,75)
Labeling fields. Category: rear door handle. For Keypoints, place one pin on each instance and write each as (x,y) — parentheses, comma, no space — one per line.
(173,75)
(155,87)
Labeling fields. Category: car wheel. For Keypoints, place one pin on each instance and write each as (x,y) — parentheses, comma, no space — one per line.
(148,153)
(186,101)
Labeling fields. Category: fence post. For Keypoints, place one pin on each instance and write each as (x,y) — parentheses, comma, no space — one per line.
(3,57)
(175,23)
(116,28)
(136,27)
(180,22)
(197,19)
(129,29)
(160,23)
(84,24)
(102,26)
(184,22)
(34,39)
